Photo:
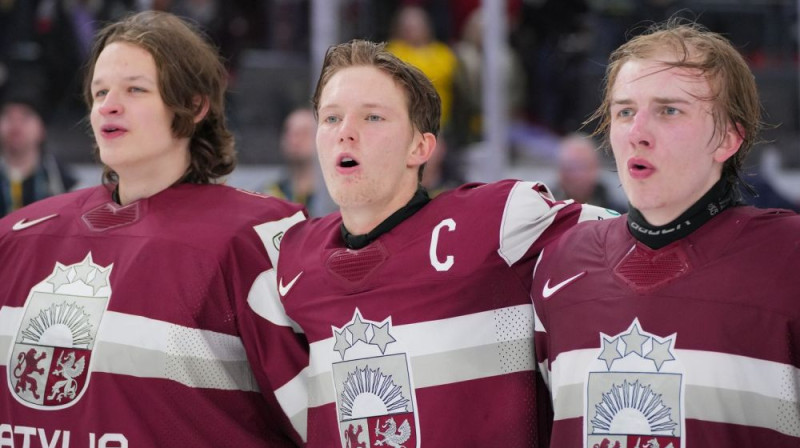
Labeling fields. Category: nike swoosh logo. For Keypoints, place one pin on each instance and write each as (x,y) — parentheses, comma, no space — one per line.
(284,289)
(548,291)
(24,223)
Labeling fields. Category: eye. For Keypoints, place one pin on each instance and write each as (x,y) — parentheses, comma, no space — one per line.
(134,89)
(625,113)
(100,93)
(373,117)
(331,119)
(671,111)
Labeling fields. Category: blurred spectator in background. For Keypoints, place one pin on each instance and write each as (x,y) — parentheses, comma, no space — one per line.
(579,173)
(413,41)
(29,172)
(762,192)
(439,175)
(467,122)
(298,150)
(555,38)
(231,25)
(49,38)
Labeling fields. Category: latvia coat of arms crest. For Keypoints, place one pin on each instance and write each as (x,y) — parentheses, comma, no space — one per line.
(52,352)
(635,392)
(375,399)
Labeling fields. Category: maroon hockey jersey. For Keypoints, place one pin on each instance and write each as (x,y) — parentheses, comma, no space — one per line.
(135,326)
(695,344)
(424,336)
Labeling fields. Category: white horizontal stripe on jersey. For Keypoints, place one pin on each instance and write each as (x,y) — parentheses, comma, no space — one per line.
(293,398)
(172,339)
(435,336)
(436,370)
(148,348)
(471,345)
(719,387)
(703,368)
(712,405)
(525,218)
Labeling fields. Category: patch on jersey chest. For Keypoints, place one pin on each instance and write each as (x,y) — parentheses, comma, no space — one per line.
(634,395)
(110,215)
(49,364)
(644,270)
(375,399)
(353,266)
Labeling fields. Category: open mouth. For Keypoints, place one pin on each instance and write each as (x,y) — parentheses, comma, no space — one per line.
(640,168)
(347,162)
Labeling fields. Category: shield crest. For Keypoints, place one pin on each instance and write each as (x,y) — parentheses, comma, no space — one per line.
(375,399)
(52,352)
(635,393)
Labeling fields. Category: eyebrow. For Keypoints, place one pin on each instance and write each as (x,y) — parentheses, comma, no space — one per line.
(325,107)
(659,100)
(127,78)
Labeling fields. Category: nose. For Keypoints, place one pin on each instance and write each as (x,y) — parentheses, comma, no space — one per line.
(640,134)
(110,105)
(347,130)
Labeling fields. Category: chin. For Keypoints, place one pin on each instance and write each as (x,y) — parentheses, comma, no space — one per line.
(351,198)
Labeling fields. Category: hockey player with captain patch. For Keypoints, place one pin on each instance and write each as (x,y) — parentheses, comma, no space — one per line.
(417,310)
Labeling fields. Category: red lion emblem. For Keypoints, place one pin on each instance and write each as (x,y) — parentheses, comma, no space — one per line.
(27,364)
(352,437)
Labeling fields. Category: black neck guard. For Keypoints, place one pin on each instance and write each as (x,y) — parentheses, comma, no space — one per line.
(419,199)
(721,196)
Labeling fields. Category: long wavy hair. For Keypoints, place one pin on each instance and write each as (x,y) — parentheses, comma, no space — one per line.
(189,67)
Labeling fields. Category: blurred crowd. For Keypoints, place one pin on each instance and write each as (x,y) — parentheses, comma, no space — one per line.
(552,61)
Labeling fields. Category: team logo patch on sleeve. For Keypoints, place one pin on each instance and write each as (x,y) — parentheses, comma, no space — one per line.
(375,399)
(49,365)
(635,392)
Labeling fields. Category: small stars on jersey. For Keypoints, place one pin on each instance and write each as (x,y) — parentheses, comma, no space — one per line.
(60,278)
(610,352)
(660,353)
(634,341)
(381,337)
(369,332)
(358,329)
(84,270)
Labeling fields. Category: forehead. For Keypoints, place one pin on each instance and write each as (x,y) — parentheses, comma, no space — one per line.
(655,76)
(361,84)
(124,57)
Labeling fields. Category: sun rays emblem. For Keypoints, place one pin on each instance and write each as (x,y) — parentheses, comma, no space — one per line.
(373,384)
(60,325)
(642,411)
(50,363)
(635,391)
(369,392)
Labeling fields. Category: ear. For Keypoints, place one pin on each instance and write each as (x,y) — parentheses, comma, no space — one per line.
(201,107)
(730,143)
(422,150)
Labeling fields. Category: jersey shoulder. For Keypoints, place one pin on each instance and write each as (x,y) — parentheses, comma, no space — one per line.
(313,231)
(63,205)
(237,205)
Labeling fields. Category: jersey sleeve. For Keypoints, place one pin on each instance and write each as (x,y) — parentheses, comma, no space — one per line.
(532,219)
(275,348)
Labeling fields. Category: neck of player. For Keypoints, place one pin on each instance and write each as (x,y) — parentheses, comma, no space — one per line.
(363,218)
(144,181)
(722,195)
